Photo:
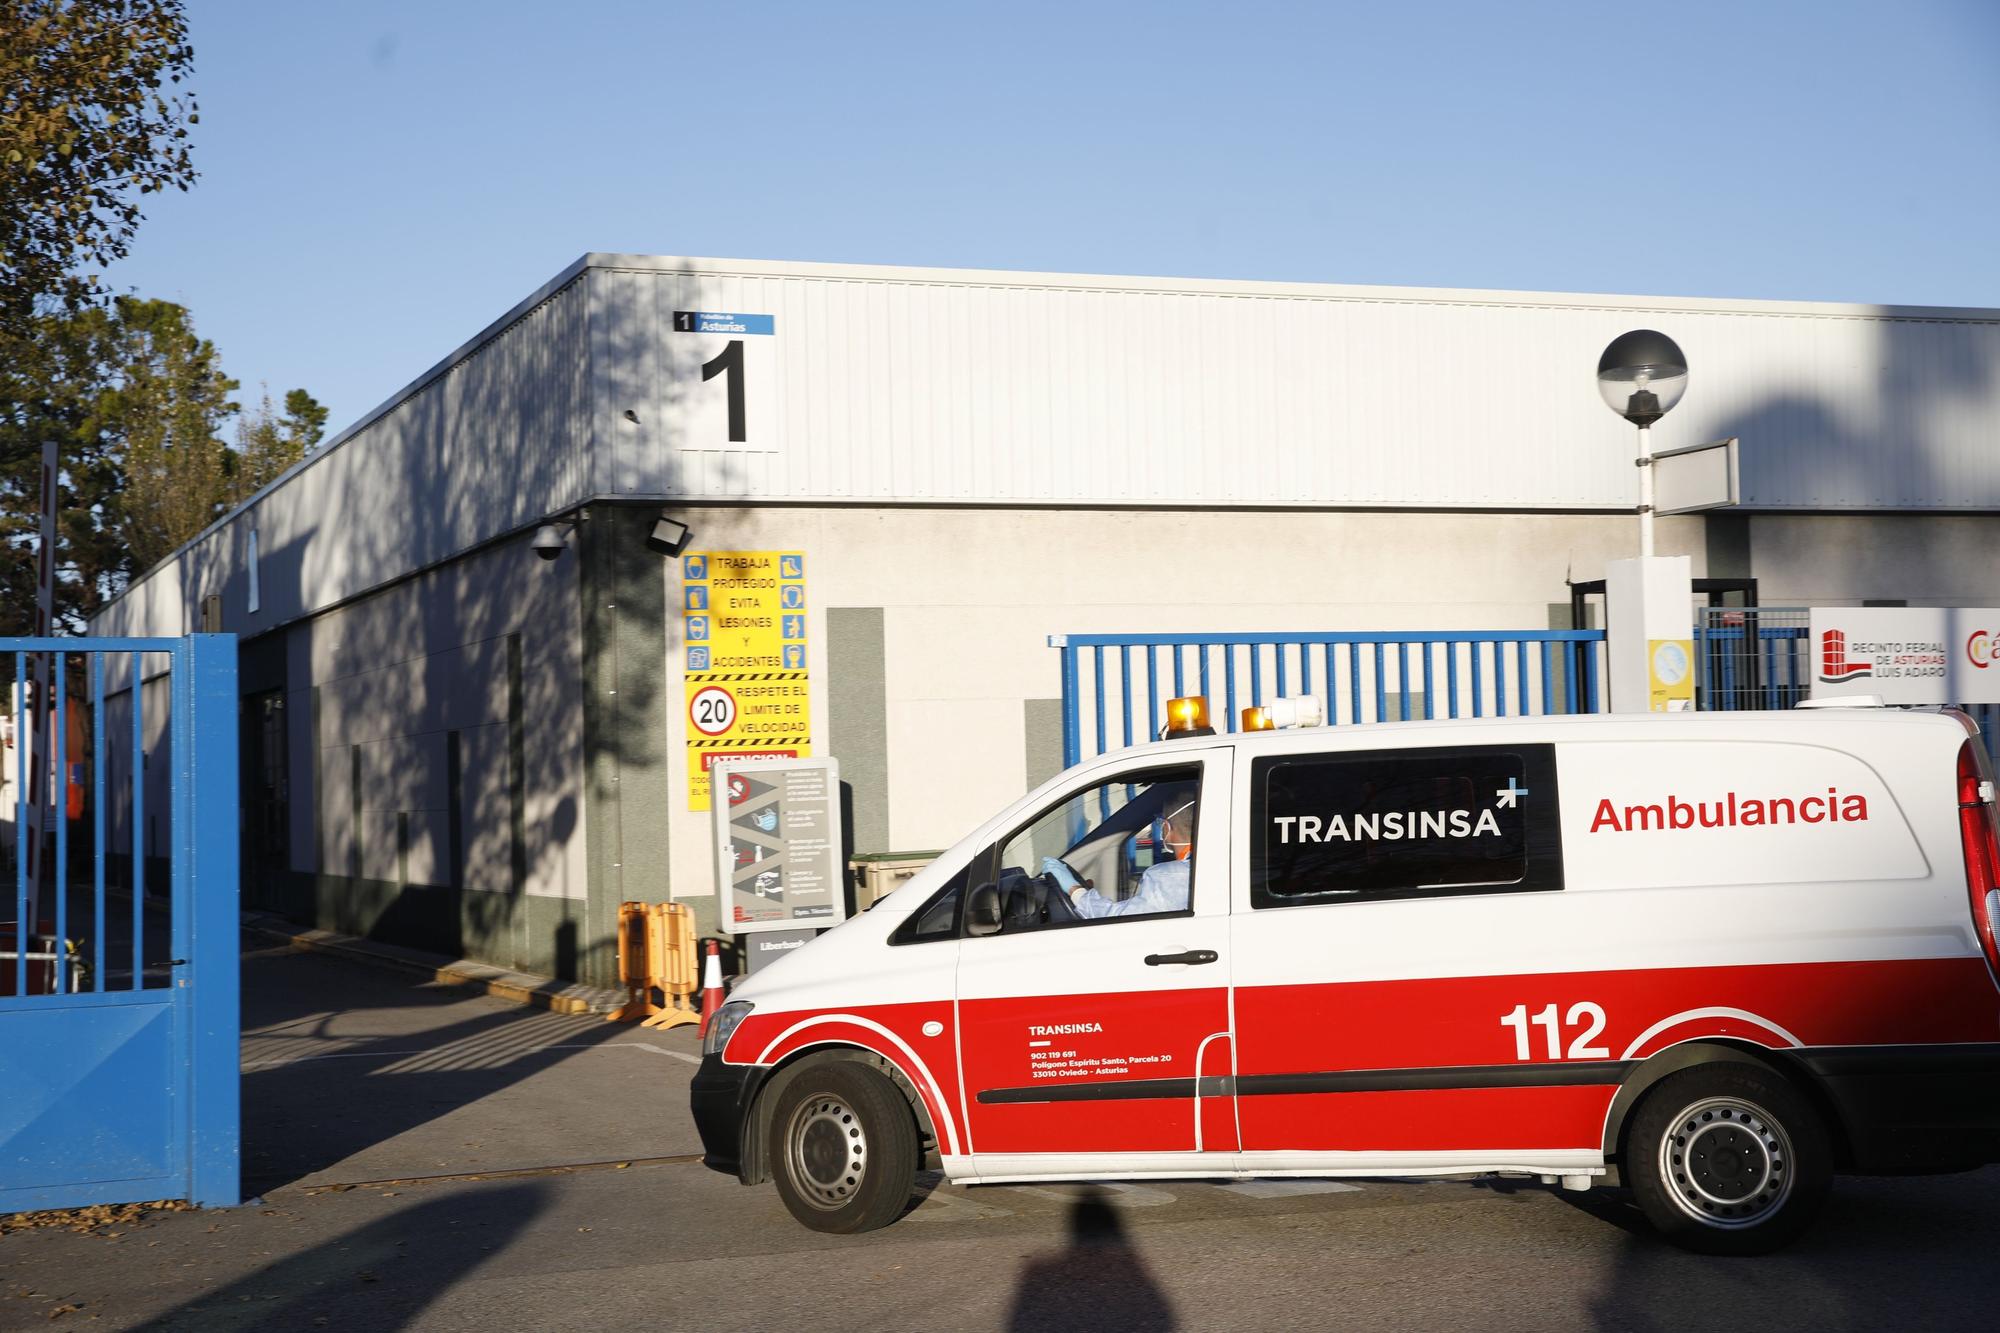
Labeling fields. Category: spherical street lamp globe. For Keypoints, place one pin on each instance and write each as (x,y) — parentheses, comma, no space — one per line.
(1641,375)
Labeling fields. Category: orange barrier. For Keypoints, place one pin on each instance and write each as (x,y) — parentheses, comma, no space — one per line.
(656,954)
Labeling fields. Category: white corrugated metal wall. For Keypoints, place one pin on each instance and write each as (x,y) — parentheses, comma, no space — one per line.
(918,386)
(912,386)
(492,439)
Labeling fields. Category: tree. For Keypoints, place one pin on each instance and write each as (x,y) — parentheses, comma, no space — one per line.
(86,129)
(305,420)
(267,444)
(50,390)
(135,401)
(166,405)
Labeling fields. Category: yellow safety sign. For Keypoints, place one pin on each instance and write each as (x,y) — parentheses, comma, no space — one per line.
(743,630)
(1670,664)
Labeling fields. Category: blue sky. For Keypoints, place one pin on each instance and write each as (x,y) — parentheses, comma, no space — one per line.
(382,179)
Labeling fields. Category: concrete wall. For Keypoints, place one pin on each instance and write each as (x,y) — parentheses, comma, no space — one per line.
(435,735)
(1845,559)
(932,679)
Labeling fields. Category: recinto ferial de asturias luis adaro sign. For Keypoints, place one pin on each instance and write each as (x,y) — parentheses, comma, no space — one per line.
(1906,655)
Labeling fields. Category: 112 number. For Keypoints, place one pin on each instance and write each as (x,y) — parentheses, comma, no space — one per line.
(1545,1018)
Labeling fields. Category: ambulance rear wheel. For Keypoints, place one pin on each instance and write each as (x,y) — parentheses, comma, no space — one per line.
(1728,1159)
(846,1149)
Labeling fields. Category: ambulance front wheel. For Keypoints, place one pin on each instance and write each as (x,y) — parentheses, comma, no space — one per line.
(1728,1159)
(846,1149)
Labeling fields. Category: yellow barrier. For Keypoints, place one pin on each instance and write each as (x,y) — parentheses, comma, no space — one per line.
(656,953)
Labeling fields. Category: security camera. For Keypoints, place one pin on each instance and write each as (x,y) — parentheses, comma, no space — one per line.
(548,542)
(669,536)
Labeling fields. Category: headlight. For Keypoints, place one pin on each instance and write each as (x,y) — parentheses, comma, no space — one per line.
(726,1019)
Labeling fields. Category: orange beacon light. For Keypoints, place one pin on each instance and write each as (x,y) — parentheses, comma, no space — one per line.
(1187,717)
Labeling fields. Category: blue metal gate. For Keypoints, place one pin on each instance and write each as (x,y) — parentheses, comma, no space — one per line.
(1111,682)
(119,1003)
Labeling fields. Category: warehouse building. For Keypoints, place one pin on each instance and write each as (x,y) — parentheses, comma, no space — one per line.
(474,675)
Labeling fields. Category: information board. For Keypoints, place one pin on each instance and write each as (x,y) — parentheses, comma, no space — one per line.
(743,636)
(777,844)
(1906,655)
(1699,477)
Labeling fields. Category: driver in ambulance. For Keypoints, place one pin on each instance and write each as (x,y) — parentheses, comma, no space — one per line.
(1164,886)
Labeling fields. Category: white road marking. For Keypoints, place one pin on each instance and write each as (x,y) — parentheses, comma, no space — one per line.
(1130,1196)
(682,1056)
(945,1204)
(646,1046)
(1286,1189)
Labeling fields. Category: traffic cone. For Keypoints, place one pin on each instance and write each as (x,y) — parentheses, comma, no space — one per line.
(711,985)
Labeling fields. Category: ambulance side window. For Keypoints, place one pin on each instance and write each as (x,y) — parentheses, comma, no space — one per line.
(1125,843)
(1361,826)
(938,918)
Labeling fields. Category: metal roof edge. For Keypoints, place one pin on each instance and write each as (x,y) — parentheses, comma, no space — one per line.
(569,274)
(1294,290)
(1066,281)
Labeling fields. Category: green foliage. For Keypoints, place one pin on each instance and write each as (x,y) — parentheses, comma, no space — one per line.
(49,389)
(88,125)
(135,401)
(267,444)
(305,420)
(165,405)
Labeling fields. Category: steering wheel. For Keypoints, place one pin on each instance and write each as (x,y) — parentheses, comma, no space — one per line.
(1055,898)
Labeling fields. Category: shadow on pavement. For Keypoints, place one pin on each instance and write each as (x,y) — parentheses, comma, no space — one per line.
(325,1078)
(1879,1257)
(382,1276)
(1096,1281)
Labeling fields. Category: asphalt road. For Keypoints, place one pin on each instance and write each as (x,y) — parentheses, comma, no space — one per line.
(353,1077)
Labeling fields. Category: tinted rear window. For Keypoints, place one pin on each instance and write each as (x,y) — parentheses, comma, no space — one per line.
(1365,825)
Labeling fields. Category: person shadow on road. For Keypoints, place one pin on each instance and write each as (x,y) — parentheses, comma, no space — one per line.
(1096,1281)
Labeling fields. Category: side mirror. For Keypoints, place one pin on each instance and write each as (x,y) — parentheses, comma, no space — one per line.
(982,912)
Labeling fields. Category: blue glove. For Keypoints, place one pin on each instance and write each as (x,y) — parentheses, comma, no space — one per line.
(1062,874)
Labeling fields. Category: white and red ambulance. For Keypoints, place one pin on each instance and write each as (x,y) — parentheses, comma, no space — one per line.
(1713,957)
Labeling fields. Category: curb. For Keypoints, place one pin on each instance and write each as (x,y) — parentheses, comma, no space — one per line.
(524,988)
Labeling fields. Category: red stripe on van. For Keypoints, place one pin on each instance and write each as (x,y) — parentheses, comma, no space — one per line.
(1461,1020)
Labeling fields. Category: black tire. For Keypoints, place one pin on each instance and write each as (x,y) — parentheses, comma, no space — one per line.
(844,1148)
(1728,1159)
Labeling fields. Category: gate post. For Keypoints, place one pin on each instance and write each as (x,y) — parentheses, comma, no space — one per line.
(1649,644)
(206,893)
(1072,703)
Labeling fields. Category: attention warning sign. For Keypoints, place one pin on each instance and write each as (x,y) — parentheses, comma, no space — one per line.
(743,622)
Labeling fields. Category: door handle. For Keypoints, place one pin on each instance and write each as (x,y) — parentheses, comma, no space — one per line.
(1192,957)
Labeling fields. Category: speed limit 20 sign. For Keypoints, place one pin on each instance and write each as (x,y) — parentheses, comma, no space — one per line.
(711,710)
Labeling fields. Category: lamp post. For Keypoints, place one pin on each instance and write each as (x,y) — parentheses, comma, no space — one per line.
(1641,375)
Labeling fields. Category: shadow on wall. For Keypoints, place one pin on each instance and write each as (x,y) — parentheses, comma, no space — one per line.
(1835,450)
(449,737)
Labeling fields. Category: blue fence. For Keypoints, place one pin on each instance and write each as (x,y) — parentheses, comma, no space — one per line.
(1115,686)
(119,1002)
